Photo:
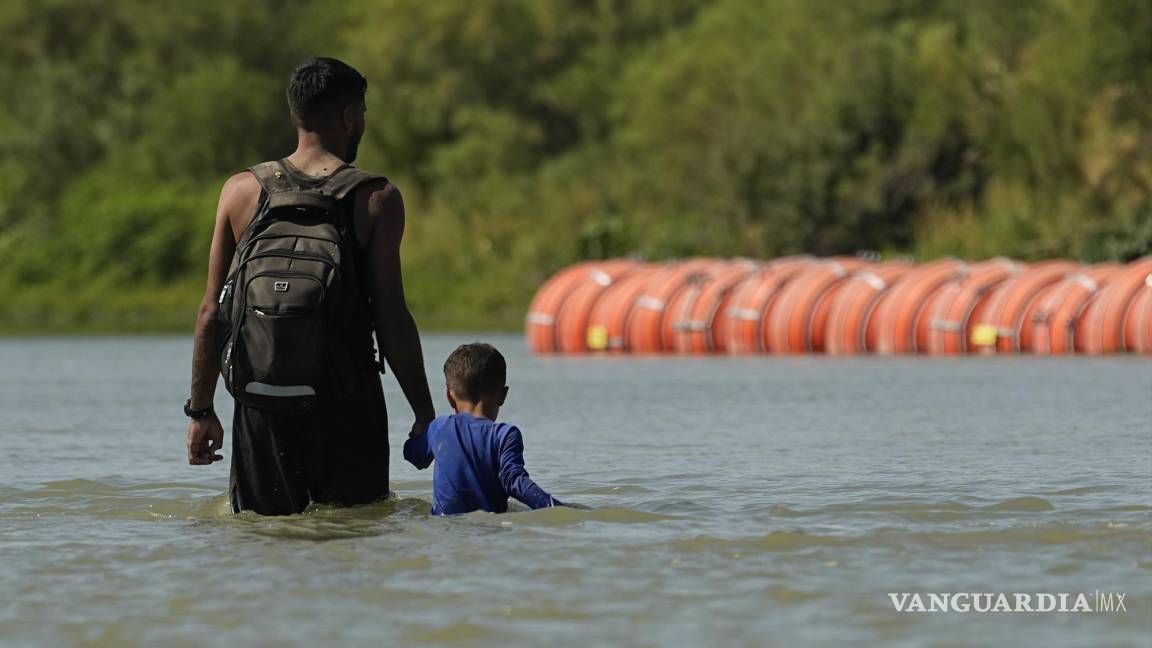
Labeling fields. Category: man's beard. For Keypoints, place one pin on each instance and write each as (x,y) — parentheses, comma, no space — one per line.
(353,148)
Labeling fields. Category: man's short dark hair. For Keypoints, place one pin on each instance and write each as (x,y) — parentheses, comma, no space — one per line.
(475,370)
(320,87)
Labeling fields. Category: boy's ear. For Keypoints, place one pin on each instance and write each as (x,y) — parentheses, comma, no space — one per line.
(503,396)
(451,398)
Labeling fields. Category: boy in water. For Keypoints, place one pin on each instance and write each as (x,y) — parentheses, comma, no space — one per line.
(479,463)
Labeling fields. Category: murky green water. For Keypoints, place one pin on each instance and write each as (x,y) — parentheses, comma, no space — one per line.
(754,501)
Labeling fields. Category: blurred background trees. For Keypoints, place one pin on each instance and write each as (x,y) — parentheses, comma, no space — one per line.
(527,135)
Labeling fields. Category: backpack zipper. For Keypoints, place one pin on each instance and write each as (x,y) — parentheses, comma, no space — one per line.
(293,254)
(265,237)
(226,291)
(280,313)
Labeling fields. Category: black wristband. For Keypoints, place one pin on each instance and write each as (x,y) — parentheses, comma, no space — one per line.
(196,415)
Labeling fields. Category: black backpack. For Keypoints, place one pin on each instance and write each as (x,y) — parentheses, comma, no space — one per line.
(299,327)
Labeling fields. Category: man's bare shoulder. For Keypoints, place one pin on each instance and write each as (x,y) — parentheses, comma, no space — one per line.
(238,199)
(242,187)
(382,198)
(379,211)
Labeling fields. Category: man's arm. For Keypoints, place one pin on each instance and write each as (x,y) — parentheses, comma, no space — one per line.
(396,331)
(514,476)
(206,436)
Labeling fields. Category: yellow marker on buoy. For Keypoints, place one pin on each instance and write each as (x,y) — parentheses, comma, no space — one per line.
(597,338)
(985,335)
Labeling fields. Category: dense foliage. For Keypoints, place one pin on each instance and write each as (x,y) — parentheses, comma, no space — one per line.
(529,134)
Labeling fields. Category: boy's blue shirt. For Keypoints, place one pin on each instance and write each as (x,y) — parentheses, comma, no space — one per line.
(479,465)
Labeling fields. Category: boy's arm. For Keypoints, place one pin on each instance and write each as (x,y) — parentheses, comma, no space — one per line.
(515,477)
(418,449)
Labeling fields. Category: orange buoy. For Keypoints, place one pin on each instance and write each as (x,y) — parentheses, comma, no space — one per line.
(1138,325)
(949,320)
(820,314)
(698,331)
(679,308)
(899,312)
(608,319)
(1031,312)
(571,322)
(997,328)
(792,327)
(645,329)
(678,314)
(752,300)
(851,308)
(539,324)
(1101,328)
(1060,305)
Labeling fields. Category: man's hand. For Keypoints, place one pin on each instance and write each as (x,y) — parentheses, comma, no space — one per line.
(416,449)
(205,437)
(418,428)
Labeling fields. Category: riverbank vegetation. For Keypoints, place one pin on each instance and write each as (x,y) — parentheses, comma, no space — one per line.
(527,135)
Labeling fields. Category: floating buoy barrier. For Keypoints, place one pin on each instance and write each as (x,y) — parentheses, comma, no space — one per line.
(1062,305)
(571,322)
(955,309)
(1138,326)
(998,328)
(1102,326)
(901,309)
(700,326)
(608,319)
(847,331)
(843,306)
(650,322)
(801,313)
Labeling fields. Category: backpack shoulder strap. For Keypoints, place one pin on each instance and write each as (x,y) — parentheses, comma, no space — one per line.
(273,181)
(272,177)
(348,179)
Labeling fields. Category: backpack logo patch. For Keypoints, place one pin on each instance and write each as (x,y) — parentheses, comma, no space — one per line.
(280,286)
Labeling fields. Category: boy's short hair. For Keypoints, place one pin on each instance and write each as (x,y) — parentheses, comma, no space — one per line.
(321,86)
(475,370)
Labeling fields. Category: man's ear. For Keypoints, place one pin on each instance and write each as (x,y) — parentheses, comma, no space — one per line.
(503,396)
(451,398)
(348,118)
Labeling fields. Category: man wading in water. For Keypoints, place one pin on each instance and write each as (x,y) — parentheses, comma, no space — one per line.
(310,422)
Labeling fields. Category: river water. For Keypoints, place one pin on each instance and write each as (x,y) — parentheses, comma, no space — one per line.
(734,501)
